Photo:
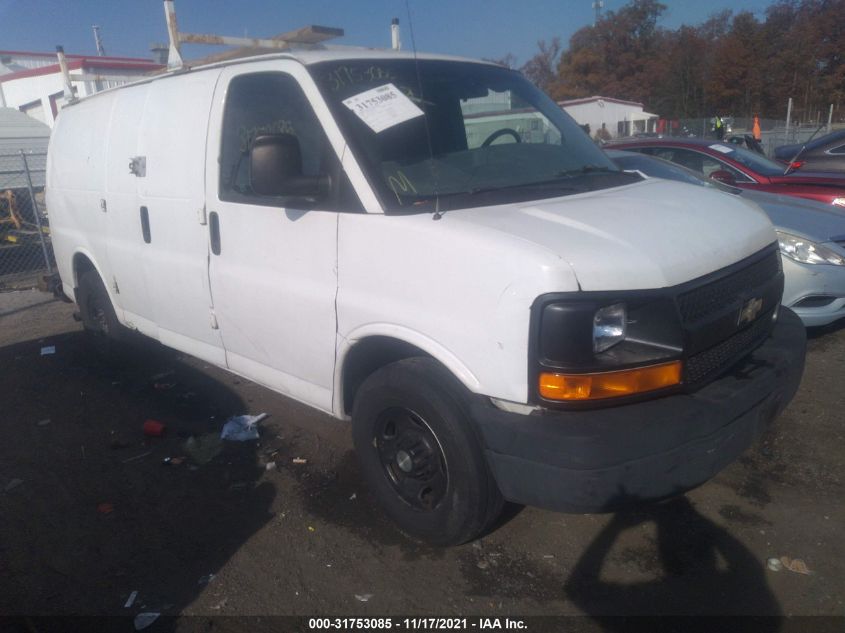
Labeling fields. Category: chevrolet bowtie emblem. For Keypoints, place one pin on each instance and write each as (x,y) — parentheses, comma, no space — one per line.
(750,310)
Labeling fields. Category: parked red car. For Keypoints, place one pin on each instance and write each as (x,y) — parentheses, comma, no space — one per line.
(739,167)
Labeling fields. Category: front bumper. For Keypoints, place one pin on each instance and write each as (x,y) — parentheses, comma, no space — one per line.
(602,459)
(814,280)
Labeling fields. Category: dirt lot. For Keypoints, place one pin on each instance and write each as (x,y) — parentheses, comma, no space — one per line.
(307,539)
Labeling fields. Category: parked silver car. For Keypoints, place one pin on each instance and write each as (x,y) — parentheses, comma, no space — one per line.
(811,236)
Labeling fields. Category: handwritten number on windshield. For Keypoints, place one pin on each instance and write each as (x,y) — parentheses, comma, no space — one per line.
(400,184)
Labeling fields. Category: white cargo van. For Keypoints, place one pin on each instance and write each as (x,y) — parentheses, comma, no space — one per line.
(431,248)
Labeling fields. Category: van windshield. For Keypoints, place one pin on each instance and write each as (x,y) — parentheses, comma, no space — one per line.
(458,134)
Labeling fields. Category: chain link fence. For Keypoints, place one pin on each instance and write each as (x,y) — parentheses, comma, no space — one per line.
(26,254)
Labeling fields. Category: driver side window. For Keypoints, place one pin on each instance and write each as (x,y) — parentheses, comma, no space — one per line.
(266,103)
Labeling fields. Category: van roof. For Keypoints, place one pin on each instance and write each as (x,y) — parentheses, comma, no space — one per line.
(306,57)
(336,53)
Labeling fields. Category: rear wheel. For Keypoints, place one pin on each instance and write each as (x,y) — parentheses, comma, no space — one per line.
(98,315)
(420,454)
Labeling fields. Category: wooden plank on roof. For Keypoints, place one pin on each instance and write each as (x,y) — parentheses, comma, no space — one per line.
(307,35)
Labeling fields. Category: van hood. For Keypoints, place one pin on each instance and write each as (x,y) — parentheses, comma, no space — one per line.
(651,234)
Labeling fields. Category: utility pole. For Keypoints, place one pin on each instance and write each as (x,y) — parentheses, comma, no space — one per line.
(100,50)
(598,5)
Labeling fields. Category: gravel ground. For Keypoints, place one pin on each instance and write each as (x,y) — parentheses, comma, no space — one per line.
(90,513)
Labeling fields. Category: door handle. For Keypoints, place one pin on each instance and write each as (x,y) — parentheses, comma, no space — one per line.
(214,232)
(145,225)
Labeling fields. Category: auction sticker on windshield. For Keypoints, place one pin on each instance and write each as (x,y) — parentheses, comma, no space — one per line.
(382,107)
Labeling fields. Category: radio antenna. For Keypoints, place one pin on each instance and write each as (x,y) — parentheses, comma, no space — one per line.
(437,215)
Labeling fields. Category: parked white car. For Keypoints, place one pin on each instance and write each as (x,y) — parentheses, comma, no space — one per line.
(511,319)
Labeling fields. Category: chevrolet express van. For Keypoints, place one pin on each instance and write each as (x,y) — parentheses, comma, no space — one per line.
(431,248)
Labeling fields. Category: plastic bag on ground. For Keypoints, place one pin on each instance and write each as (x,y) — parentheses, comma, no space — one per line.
(242,428)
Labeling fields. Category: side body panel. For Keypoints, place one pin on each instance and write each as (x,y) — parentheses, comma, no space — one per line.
(126,246)
(76,176)
(172,140)
(275,278)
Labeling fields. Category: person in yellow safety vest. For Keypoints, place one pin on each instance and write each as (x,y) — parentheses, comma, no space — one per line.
(718,127)
(755,129)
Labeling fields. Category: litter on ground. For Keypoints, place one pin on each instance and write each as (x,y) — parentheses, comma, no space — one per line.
(153,428)
(242,428)
(137,457)
(795,565)
(130,600)
(143,620)
(203,448)
(13,484)
(48,350)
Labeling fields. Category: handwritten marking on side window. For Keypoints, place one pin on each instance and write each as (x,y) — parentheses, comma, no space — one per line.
(248,135)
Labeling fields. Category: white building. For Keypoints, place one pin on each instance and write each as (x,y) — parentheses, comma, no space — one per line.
(33,83)
(620,118)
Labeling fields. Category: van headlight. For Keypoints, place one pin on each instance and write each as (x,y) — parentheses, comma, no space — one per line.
(609,326)
(806,252)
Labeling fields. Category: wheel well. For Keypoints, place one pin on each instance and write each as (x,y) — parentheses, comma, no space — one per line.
(367,356)
(81,265)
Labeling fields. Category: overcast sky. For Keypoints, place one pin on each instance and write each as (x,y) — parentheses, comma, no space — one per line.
(474,28)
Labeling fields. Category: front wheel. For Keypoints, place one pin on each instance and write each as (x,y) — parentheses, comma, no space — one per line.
(420,454)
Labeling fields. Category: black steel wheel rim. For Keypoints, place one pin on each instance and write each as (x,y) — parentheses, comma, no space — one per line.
(411,457)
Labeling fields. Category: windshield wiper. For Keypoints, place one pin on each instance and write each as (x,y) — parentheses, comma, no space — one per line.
(553,182)
(593,169)
(801,151)
(559,178)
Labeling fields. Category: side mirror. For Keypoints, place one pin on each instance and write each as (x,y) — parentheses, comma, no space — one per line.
(723,176)
(275,169)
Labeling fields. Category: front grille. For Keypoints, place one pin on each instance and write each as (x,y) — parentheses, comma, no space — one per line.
(709,363)
(703,301)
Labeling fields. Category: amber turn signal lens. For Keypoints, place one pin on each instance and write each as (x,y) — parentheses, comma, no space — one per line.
(610,384)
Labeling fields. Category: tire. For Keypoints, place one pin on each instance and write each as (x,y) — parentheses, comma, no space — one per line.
(98,316)
(420,455)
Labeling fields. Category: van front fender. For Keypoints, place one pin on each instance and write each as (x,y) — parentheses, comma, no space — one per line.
(398,333)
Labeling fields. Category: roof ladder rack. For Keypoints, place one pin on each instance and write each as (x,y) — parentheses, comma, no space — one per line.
(308,35)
